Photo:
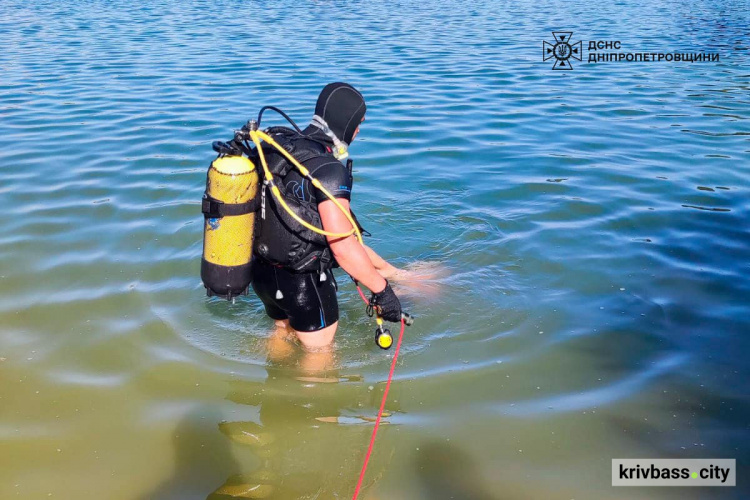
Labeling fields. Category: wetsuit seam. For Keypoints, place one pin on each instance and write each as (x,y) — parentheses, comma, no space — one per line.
(325,165)
(320,302)
(352,118)
(325,106)
(312,173)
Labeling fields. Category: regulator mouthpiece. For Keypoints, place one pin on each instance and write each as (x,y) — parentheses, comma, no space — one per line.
(340,148)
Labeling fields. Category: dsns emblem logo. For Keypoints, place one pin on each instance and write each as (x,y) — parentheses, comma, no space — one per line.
(562,50)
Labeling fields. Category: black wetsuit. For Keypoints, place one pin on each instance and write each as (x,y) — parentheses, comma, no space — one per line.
(308,303)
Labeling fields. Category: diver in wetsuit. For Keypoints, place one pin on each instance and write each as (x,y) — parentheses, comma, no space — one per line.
(301,297)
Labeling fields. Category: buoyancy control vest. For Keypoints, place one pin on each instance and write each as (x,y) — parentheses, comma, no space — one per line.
(279,239)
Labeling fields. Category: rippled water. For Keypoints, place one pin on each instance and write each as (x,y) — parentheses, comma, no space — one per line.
(593,224)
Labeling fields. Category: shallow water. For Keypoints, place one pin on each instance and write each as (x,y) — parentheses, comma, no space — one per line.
(593,224)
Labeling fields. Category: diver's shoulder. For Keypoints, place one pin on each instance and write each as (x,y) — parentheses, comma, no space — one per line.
(326,163)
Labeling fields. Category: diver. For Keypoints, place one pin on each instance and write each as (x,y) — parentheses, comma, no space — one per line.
(291,270)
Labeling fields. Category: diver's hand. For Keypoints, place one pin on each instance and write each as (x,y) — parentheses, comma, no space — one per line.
(386,304)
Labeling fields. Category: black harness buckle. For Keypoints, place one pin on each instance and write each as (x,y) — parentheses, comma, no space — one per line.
(211,207)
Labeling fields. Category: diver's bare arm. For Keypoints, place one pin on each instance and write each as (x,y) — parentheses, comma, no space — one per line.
(385,269)
(349,253)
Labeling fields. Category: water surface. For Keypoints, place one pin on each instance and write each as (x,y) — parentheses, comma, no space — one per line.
(593,223)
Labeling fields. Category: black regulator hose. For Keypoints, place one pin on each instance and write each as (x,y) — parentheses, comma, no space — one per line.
(274,108)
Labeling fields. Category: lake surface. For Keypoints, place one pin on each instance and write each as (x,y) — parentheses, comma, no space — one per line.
(592,226)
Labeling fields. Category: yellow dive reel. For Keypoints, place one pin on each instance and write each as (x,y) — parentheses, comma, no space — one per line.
(383,336)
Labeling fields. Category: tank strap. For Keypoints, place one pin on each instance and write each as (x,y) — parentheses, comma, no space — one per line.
(216,209)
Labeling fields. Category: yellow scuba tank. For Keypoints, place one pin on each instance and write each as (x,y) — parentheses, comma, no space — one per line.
(229,206)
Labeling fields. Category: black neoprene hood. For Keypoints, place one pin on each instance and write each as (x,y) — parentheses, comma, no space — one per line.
(342,107)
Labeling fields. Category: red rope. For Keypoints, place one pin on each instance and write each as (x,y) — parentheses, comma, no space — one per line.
(382,407)
(361,294)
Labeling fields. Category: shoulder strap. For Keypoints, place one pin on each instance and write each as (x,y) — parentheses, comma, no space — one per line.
(291,141)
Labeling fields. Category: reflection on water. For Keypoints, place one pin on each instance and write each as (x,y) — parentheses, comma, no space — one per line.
(587,229)
(303,436)
(445,472)
(192,458)
(331,411)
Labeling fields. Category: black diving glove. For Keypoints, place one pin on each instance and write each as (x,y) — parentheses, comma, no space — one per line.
(386,304)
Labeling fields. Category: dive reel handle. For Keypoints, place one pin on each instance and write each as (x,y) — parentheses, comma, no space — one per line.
(408,318)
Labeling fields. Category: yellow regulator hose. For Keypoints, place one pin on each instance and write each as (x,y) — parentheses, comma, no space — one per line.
(257,136)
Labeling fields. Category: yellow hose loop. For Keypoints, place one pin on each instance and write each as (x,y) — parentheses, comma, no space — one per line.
(266,172)
(277,194)
(355,228)
(315,182)
(254,135)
